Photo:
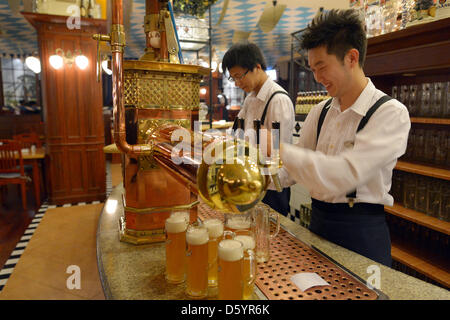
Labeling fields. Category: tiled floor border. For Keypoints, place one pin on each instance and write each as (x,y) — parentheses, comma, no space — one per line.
(13,259)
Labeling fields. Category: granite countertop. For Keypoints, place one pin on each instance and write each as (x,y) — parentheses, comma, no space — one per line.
(129,272)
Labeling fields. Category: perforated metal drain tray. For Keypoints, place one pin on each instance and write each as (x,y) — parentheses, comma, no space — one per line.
(290,256)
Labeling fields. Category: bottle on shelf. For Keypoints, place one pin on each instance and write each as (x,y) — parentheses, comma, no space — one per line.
(308,99)
(91,9)
(83,9)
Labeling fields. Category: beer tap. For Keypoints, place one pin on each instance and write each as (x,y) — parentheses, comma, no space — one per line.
(276,161)
(241,136)
(242,125)
(257,127)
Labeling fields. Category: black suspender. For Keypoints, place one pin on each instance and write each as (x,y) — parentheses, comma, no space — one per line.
(263,117)
(323,113)
(352,195)
(372,110)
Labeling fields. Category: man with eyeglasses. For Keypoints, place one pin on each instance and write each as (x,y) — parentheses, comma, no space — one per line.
(266,101)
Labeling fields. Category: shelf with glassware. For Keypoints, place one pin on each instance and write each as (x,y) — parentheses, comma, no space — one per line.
(426,157)
(419,225)
(421,181)
(412,65)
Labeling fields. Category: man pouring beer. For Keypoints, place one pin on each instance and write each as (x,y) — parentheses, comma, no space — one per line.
(348,144)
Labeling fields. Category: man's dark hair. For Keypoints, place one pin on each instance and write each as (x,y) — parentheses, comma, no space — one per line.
(245,55)
(337,30)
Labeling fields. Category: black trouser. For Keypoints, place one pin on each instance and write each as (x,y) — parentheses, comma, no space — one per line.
(362,229)
(278,201)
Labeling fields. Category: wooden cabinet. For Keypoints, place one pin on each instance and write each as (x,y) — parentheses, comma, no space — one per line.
(415,57)
(72,106)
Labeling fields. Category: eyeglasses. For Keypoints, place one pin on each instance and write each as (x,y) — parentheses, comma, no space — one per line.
(230,78)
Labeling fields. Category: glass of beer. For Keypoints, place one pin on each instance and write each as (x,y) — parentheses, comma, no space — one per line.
(197,262)
(249,267)
(262,216)
(215,231)
(230,272)
(238,223)
(216,234)
(185,214)
(176,226)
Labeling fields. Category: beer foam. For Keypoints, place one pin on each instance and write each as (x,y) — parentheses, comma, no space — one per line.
(176,224)
(185,214)
(238,223)
(215,227)
(197,236)
(230,250)
(247,241)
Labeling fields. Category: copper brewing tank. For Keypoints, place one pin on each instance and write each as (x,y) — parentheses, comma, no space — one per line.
(155,94)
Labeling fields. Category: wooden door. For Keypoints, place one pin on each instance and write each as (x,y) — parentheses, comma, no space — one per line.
(73,117)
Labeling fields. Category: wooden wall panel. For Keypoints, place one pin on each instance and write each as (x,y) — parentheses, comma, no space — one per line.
(57,171)
(76,165)
(98,181)
(72,100)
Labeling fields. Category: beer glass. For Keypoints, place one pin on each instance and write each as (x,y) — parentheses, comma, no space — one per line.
(230,272)
(261,217)
(425,105)
(249,268)
(175,227)
(238,223)
(215,231)
(185,214)
(197,262)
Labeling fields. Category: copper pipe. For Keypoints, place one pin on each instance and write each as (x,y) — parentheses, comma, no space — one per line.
(163,50)
(117,47)
(185,173)
(151,6)
(117,12)
(151,11)
(165,154)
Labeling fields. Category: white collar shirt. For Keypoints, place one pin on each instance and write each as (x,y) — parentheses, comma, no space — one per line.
(280,109)
(344,161)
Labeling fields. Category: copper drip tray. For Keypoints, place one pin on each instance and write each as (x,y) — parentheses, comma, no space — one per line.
(290,256)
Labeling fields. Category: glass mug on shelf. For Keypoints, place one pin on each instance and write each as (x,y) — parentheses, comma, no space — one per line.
(216,234)
(249,268)
(175,227)
(261,214)
(231,269)
(197,239)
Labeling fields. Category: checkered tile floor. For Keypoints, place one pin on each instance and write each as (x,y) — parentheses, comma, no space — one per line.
(8,268)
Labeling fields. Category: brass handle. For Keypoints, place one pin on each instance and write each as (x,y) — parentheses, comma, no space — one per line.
(98,38)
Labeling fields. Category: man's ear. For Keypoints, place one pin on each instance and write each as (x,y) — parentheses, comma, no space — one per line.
(352,57)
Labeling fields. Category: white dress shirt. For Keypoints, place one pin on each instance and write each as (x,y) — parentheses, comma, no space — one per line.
(344,161)
(280,109)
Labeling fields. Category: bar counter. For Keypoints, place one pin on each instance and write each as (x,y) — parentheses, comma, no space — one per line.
(130,272)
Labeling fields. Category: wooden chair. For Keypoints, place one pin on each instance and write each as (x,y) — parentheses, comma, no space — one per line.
(28,139)
(32,170)
(11,167)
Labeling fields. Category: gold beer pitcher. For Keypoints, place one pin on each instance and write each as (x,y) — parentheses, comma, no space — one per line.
(151,99)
